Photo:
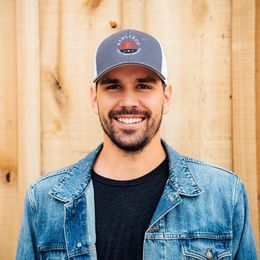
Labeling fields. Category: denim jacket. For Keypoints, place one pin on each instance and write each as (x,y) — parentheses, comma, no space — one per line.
(202,214)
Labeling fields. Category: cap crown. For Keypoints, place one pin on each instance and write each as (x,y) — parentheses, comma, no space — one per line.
(130,47)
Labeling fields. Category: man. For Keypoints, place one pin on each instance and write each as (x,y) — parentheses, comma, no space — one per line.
(134,197)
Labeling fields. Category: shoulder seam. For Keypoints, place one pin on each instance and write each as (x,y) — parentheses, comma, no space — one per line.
(31,199)
(236,191)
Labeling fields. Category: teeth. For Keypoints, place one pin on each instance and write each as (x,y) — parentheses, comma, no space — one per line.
(130,120)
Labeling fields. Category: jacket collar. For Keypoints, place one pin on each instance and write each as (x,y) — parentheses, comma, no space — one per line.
(76,179)
(77,176)
(180,175)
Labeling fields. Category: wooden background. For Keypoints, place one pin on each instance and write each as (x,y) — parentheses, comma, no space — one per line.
(46,60)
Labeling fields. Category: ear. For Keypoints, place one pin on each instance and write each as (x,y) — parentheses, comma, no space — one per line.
(93,98)
(167,99)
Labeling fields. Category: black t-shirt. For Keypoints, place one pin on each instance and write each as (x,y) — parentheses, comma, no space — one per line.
(123,212)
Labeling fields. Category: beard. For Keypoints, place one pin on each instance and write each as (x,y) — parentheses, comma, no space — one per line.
(131,140)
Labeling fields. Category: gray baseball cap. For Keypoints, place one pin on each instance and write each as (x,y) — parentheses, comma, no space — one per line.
(130,47)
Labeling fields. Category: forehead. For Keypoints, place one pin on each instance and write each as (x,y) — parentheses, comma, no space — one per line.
(130,72)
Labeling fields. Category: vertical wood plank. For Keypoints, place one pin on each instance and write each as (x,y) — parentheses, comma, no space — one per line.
(28,86)
(257,60)
(244,106)
(9,220)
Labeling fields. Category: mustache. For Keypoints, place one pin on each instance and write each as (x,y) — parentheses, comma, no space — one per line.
(125,111)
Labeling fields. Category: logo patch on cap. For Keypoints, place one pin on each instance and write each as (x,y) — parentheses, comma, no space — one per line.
(128,45)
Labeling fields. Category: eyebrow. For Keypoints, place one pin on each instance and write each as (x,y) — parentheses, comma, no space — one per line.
(109,81)
(146,80)
(116,81)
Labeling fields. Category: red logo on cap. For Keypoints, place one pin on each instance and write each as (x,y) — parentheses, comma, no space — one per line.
(128,44)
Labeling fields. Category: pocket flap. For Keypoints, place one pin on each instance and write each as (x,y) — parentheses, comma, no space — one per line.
(203,250)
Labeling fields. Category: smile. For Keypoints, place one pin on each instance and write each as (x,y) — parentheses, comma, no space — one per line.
(130,120)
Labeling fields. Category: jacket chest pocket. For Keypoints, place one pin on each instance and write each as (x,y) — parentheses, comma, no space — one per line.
(202,249)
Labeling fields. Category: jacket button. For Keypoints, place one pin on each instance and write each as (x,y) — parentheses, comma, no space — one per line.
(79,245)
(209,254)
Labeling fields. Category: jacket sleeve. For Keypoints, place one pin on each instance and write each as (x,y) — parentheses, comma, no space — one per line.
(26,245)
(244,247)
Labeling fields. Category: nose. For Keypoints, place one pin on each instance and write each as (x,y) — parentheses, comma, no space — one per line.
(128,99)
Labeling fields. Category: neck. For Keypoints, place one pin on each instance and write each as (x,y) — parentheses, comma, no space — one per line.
(117,164)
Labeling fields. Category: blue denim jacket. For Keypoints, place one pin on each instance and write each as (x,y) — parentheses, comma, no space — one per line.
(202,214)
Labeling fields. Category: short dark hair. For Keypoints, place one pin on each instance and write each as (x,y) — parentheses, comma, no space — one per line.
(163,84)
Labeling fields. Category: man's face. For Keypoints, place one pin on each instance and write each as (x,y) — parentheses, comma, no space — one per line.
(130,101)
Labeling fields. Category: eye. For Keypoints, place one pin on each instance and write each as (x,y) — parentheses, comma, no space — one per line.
(143,86)
(113,87)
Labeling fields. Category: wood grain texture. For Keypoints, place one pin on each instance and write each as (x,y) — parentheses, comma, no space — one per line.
(46,62)
(133,14)
(28,95)
(199,62)
(9,223)
(244,96)
(257,83)
(70,33)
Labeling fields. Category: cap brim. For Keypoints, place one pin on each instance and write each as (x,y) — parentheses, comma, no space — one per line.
(128,63)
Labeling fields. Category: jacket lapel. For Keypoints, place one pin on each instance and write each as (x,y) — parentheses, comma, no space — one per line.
(180,183)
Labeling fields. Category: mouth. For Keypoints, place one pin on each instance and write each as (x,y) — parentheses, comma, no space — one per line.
(130,120)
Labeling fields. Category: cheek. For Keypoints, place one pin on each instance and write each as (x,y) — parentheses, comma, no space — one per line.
(154,104)
(105,104)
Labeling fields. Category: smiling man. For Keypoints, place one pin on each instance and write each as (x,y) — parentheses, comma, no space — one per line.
(130,101)
(135,197)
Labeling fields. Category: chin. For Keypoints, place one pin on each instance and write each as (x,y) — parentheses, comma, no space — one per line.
(131,146)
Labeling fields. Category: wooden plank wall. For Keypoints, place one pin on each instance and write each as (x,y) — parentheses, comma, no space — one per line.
(257,59)
(244,100)
(46,60)
(9,221)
